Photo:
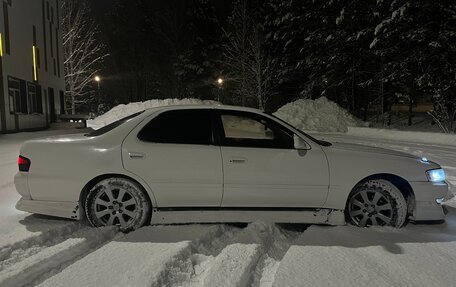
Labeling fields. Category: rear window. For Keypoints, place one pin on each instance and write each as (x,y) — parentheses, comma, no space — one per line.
(179,127)
(112,126)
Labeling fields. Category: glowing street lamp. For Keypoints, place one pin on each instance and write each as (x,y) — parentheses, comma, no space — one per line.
(220,85)
(97,79)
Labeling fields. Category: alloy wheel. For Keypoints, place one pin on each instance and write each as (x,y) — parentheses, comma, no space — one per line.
(371,206)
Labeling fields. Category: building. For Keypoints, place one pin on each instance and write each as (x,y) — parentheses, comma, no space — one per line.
(32,81)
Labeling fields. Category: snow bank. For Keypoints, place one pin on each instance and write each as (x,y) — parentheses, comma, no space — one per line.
(320,115)
(406,136)
(311,115)
(122,110)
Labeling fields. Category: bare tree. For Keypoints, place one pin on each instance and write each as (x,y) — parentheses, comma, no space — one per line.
(250,67)
(236,49)
(262,72)
(444,113)
(83,51)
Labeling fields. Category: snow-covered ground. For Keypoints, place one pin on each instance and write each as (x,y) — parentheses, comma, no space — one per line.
(45,251)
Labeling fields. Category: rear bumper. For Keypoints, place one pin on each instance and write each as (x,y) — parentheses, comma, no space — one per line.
(428,197)
(53,208)
(21,184)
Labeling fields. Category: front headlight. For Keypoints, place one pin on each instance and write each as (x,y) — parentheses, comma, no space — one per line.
(436,175)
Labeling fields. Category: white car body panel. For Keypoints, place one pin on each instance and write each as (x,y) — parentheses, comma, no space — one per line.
(179,175)
(255,177)
(350,164)
(190,176)
(63,165)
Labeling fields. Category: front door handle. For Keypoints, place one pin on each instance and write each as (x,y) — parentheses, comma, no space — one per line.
(238,160)
(136,155)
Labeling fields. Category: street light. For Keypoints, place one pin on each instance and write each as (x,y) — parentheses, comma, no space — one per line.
(98,80)
(220,85)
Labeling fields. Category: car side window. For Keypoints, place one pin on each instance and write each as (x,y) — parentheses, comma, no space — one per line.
(250,130)
(179,127)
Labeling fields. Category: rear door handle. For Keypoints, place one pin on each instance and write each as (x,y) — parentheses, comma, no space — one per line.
(238,160)
(136,155)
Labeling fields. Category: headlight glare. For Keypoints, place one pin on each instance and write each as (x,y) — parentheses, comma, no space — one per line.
(436,175)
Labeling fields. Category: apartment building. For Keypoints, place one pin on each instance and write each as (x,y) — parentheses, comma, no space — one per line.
(32,81)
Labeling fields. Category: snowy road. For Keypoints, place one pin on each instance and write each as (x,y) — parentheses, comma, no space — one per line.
(44,251)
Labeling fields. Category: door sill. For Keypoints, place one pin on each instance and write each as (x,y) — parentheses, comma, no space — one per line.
(245,215)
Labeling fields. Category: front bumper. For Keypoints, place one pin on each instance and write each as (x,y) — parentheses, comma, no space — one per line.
(53,208)
(425,206)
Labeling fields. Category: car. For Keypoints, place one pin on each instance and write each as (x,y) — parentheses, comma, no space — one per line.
(215,163)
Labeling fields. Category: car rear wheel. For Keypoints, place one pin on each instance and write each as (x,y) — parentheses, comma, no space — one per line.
(117,201)
(377,202)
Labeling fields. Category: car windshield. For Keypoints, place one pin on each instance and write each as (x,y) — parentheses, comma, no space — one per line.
(320,142)
(112,126)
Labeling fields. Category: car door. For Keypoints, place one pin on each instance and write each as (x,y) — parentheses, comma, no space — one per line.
(174,153)
(263,169)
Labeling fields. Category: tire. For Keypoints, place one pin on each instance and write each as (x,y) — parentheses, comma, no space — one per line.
(376,202)
(118,201)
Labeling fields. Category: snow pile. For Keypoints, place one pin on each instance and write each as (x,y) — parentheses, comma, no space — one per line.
(122,110)
(320,115)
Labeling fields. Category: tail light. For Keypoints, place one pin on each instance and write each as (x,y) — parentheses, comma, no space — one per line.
(23,163)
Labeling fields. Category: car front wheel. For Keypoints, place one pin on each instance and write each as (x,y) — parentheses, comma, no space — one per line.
(117,201)
(377,202)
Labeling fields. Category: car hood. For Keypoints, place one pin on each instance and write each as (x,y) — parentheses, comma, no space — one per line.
(370,149)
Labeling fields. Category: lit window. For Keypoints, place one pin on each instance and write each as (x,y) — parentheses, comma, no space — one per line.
(1,46)
(35,75)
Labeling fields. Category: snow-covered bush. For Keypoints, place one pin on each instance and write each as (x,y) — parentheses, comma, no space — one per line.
(320,115)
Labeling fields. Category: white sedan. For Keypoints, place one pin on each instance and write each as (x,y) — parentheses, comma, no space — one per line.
(181,164)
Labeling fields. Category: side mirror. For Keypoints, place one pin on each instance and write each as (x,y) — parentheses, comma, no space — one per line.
(300,144)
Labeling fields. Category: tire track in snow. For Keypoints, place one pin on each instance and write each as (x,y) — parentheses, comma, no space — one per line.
(241,259)
(12,253)
(48,260)
(182,269)
(150,256)
(233,266)
(276,244)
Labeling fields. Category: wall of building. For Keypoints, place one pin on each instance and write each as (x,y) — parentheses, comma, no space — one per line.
(33,28)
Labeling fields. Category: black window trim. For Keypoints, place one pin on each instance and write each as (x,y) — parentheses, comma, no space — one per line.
(220,133)
(306,135)
(158,113)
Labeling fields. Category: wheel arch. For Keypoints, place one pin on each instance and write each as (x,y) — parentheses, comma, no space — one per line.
(401,183)
(95,180)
